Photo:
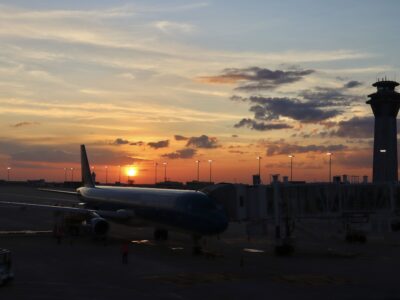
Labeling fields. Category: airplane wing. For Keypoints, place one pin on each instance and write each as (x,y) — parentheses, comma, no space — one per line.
(59,191)
(121,214)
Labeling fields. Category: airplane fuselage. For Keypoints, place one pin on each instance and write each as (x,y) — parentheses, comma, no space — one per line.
(186,211)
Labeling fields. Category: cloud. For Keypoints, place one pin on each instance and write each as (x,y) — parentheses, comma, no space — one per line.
(256,78)
(159,144)
(260,126)
(281,147)
(274,108)
(235,135)
(139,143)
(328,97)
(202,141)
(183,153)
(360,158)
(237,152)
(120,141)
(357,127)
(22,152)
(23,124)
(44,154)
(351,84)
(169,27)
(180,137)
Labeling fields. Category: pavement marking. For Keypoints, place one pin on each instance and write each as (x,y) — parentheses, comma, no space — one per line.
(250,250)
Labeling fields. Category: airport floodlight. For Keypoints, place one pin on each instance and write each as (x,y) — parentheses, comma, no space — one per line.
(8,173)
(165,171)
(291,156)
(210,163)
(106,167)
(155,172)
(72,174)
(330,165)
(198,170)
(259,166)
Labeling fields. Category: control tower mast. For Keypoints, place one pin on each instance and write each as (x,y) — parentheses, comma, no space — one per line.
(385,104)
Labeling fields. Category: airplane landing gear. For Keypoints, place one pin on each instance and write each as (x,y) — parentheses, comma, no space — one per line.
(161,235)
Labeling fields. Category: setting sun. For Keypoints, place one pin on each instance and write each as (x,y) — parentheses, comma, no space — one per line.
(131,171)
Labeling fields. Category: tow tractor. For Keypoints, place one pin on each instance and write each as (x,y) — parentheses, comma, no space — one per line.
(6,273)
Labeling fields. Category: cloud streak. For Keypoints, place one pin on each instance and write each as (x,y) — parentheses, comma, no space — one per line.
(182,153)
(159,144)
(256,78)
(202,141)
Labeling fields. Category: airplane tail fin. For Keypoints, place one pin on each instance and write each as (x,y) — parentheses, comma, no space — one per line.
(87,178)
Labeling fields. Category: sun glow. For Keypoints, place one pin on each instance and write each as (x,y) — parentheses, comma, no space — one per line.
(131,171)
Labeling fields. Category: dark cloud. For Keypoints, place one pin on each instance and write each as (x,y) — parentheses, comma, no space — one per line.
(183,153)
(235,135)
(273,108)
(159,144)
(140,143)
(23,124)
(256,78)
(357,127)
(180,137)
(260,126)
(281,147)
(326,97)
(352,84)
(202,141)
(120,141)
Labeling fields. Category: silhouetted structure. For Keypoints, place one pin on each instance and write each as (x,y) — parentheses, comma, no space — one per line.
(385,104)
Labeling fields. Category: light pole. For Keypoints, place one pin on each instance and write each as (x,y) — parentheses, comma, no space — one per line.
(259,167)
(198,170)
(119,174)
(106,167)
(383,151)
(8,173)
(72,174)
(210,163)
(291,166)
(93,175)
(65,174)
(330,166)
(165,171)
(155,172)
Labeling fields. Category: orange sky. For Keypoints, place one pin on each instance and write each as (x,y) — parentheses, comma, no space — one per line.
(140,83)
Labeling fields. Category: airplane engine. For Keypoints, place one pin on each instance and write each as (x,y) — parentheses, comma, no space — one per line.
(99,226)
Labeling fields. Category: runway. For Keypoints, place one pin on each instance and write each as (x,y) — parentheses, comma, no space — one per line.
(80,268)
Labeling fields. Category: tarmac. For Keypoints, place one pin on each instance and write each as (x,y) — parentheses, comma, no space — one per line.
(82,268)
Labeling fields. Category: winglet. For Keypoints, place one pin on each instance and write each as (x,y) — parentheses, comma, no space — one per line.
(87,178)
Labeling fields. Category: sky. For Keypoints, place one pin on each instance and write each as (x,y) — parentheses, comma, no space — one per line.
(146,82)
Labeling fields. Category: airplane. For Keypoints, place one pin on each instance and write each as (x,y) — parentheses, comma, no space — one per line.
(191,212)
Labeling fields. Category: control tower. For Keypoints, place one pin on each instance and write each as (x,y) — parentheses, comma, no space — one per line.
(385,104)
